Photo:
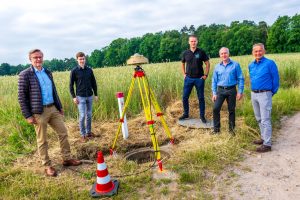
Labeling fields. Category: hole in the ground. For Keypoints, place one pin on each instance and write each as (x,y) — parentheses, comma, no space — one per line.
(145,155)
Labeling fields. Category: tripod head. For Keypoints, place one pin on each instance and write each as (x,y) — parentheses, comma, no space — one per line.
(138,68)
(137,60)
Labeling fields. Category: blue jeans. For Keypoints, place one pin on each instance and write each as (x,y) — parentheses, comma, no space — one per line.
(189,83)
(85,114)
(262,106)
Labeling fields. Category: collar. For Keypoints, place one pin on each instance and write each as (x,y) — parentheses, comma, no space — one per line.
(261,60)
(37,71)
(83,67)
(229,61)
(195,50)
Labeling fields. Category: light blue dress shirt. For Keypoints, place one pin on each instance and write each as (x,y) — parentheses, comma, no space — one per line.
(228,75)
(264,75)
(46,86)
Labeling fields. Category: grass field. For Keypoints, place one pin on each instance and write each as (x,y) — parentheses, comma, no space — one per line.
(18,138)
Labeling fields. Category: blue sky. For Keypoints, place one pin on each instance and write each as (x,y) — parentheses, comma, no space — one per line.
(62,28)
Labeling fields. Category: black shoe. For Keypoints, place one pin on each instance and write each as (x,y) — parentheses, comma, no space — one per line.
(263,149)
(215,132)
(183,117)
(258,142)
(232,132)
(203,120)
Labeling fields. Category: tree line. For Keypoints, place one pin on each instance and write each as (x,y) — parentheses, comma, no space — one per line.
(281,37)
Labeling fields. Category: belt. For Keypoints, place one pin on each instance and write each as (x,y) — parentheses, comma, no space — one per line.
(48,105)
(260,91)
(226,87)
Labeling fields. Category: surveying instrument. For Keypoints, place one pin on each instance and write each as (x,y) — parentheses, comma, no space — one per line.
(148,100)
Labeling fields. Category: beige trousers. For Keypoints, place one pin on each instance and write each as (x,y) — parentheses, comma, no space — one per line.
(52,117)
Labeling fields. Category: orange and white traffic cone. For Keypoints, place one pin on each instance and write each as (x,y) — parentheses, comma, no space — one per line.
(104,186)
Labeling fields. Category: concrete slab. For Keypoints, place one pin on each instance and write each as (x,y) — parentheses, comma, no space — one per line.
(195,123)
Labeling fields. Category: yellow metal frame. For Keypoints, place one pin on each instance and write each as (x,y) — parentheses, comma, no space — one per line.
(148,99)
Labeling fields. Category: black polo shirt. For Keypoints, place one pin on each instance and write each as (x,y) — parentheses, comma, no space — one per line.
(194,62)
(84,80)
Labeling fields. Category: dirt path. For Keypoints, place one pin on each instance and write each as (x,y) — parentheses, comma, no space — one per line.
(273,175)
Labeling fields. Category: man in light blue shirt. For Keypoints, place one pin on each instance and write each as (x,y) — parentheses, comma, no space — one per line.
(264,78)
(46,86)
(227,74)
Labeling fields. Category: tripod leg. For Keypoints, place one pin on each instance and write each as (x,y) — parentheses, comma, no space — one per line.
(131,87)
(150,122)
(160,114)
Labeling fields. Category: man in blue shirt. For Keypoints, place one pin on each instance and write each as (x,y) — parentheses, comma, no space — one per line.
(40,105)
(227,74)
(264,80)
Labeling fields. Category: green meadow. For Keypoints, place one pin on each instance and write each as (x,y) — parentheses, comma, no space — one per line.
(18,138)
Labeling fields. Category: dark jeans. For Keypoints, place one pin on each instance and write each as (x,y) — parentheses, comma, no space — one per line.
(189,83)
(230,96)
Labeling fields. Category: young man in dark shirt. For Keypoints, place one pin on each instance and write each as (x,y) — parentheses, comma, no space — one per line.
(194,75)
(86,86)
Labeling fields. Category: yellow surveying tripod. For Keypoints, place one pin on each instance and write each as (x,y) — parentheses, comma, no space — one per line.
(148,99)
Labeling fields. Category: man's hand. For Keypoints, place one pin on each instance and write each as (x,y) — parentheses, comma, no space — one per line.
(31,120)
(239,96)
(75,100)
(204,77)
(96,98)
(214,98)
(62,112)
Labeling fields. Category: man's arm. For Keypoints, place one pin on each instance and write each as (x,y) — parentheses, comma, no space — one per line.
(71,85)
(94,84)
(183,69)
(207,67)
(23,97)
(275,78)
(214,82)
(240,81)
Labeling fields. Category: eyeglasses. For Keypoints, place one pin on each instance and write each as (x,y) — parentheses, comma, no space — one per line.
(37,57)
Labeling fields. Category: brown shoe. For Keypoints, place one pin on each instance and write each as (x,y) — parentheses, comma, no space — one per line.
(83,139)
(71,162)
(263,149)
(90,135)
(50,171)
(258,142)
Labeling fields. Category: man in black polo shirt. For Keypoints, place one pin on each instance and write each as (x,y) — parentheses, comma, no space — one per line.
(192,61)
(86,86)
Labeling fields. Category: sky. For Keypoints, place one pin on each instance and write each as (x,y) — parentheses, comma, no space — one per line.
(62,28)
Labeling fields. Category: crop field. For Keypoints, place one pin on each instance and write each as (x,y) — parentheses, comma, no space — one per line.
(216,154)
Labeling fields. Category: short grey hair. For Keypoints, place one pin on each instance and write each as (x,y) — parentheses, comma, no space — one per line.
(225,49)
(259,45)
(32,51)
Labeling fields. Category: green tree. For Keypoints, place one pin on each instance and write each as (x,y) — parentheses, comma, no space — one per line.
(69,63)
(293,42)
(116,53)
(134,45)
(5,69)
(279,35)
(96,58)
(149,46)
(262,32)
(170,46)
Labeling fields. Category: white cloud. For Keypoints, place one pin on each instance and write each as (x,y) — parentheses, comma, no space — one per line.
(61,28)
